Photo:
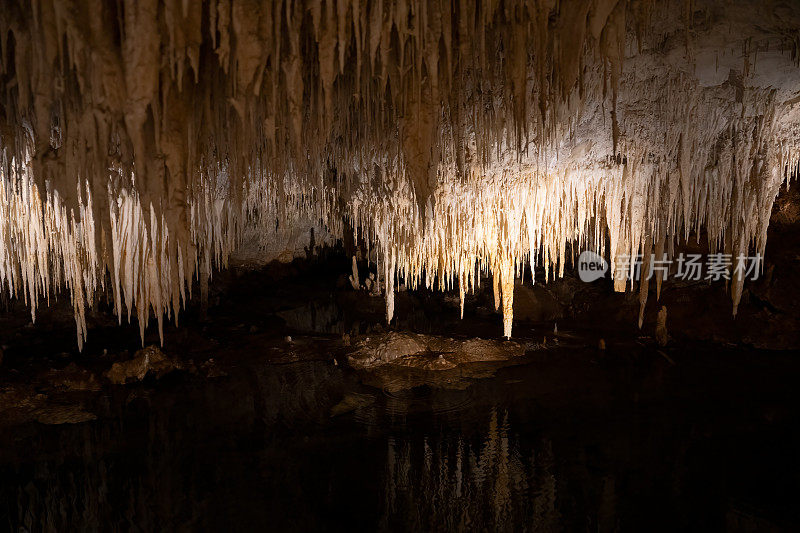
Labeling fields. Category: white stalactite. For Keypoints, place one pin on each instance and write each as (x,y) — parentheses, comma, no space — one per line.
(139,141)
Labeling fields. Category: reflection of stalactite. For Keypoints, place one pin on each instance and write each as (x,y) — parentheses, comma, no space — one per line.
(156,466)
(317,317)
(544,501)
(453,484)
(75,490)
(607,512)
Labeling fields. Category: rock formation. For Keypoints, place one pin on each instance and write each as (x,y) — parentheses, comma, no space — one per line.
(141,139)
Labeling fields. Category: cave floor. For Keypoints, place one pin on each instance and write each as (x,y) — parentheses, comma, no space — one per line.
(251,428)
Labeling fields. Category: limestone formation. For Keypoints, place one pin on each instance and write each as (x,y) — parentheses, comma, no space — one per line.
(442,353)
(141,139)
(354,282)
(147,360)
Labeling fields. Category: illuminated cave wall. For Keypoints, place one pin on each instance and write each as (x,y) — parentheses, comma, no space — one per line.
(142,140)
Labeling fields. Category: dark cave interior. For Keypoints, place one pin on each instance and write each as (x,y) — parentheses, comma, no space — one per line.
(414,265)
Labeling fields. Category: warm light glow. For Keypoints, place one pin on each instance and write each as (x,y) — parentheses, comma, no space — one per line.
(457,140)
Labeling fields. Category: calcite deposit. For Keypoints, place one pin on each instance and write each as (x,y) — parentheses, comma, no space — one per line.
(140,140)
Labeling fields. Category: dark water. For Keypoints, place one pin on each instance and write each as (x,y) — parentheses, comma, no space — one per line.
(565,442)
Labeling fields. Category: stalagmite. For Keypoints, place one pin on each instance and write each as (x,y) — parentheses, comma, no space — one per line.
(141,142)
(354,281)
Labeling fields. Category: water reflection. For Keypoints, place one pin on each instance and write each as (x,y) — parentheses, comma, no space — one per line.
(307,446)
(315,317)
(437,483)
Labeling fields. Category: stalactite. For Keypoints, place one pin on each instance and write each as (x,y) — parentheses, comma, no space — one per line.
(145,139)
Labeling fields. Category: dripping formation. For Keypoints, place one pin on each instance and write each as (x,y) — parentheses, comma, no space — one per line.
(140,140)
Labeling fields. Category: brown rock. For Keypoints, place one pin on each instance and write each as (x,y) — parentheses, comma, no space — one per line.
(391,347)
(147,360)
(385,348)
(475,350)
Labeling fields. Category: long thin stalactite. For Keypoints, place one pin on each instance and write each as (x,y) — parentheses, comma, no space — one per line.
(141,139)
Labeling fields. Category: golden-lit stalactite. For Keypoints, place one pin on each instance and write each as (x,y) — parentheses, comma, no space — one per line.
(141,139)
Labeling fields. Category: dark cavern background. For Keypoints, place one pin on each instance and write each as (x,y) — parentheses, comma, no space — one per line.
(399,265)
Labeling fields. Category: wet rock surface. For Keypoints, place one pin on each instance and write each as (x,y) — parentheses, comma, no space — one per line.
(149,360)
(442,352)
(380,349)
(398,362)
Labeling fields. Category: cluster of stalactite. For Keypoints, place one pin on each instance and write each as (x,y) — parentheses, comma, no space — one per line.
(141,138)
